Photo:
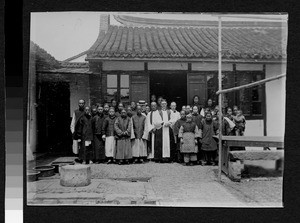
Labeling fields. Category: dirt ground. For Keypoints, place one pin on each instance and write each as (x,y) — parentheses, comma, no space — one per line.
(170,184)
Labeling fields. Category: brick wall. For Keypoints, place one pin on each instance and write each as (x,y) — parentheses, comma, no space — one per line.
(95,83)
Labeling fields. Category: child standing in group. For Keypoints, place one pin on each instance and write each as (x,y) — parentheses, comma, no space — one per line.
(209,128)
(188,134)
(109,135)
(240,123)
(228,124)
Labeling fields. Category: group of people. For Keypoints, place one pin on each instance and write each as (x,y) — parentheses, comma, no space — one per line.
(139,133)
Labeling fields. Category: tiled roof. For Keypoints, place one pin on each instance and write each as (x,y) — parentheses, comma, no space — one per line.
(43,60)
(145,43)
(68,70)
(137,21)
(74,64)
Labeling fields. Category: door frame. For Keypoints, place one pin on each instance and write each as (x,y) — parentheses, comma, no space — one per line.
(161,72)
(203,73)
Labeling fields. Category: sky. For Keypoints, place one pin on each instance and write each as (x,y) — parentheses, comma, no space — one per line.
(66,34)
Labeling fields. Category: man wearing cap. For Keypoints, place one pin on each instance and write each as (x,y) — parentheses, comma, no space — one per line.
(164,138)
(142,103)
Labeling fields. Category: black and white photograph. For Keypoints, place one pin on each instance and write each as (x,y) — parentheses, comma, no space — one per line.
(156,109)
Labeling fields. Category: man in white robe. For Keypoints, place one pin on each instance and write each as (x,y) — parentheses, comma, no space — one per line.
(164,138)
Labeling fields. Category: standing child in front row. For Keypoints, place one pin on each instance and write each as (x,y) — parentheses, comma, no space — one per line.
(109,135)
(188,134)
(209,128)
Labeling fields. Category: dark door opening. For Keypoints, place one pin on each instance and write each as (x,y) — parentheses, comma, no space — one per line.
(53,118)
(171,86)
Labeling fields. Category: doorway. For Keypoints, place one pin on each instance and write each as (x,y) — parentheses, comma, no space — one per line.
(170,85)
(53,118)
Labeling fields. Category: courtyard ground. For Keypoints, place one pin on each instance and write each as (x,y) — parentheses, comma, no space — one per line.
(157,184)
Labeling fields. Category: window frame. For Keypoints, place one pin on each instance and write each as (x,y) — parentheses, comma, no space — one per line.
(235,73)
(119,88)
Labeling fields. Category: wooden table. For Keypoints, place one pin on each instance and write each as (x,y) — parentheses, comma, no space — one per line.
(246,141)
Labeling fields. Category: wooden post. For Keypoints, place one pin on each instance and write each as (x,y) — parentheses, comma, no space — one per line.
(253,84)
(220,98)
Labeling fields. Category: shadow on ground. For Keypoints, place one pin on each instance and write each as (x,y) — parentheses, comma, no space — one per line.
(252,171)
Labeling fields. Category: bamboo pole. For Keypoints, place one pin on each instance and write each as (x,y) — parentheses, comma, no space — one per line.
(220,97)
(250,85)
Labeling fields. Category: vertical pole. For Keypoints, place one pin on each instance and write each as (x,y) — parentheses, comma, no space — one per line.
(220,97)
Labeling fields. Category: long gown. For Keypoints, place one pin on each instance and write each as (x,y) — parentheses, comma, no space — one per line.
(139,137)
(98,143)
(208,129)
(189,133)
(123,149)
(110,141)
(84,132)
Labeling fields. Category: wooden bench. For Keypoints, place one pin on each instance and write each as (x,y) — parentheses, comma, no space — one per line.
(232,161)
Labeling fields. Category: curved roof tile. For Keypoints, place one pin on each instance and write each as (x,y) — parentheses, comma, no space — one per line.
(188,42)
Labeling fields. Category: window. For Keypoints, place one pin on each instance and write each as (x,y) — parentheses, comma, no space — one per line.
(118,88)
(212,87)
(249,100)
(112,87)
(124,88)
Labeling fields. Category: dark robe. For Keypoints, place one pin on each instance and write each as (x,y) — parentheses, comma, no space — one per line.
(108,126)
(122,128)
(84,132)
(138,122)
(176,128)
(197,119)
(209,128)
(98,143)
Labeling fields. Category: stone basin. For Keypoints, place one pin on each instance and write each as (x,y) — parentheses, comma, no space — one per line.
(45,171)
(32,175)
(58,164)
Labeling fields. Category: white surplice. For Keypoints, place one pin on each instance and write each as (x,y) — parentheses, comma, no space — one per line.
(157,120)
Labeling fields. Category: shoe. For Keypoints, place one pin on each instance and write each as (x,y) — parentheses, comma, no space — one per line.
(109,162)
(191,164)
